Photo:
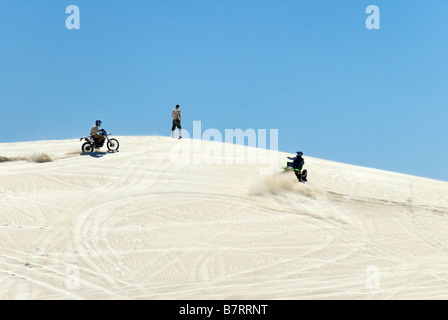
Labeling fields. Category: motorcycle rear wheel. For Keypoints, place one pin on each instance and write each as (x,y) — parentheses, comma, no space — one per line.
(87,147)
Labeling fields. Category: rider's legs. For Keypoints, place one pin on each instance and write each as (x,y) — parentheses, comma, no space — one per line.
(99,139)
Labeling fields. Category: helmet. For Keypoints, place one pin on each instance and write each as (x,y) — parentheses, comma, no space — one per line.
(299,153)
(98,122)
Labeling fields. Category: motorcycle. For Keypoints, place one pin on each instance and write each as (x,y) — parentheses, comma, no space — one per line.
(91,143)
(300,174)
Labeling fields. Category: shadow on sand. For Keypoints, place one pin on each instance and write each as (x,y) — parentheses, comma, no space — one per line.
(97,154)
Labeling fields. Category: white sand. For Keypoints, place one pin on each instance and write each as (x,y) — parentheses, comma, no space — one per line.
(135,225)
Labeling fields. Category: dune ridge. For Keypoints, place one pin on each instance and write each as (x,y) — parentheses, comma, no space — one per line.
(137,225)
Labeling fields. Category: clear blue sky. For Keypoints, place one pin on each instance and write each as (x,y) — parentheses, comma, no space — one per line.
(311,69)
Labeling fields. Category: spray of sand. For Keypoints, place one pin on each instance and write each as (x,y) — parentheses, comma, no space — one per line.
(282,192)
(35,157)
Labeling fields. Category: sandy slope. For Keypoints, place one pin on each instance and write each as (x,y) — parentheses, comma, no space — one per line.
(137,225)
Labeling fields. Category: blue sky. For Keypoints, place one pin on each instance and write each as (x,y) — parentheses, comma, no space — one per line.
(311,69)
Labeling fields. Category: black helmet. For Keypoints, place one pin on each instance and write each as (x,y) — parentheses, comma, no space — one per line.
(299,153)
(98,122)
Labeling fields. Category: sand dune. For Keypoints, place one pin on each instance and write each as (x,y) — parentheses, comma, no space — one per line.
(137,225)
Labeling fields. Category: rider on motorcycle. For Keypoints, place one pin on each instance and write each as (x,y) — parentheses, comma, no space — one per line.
(297,162)
(96,133)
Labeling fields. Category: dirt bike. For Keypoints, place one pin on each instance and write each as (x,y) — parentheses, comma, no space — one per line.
(91,143)
(300,174)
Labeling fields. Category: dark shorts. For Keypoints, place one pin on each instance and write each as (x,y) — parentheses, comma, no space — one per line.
(176,123)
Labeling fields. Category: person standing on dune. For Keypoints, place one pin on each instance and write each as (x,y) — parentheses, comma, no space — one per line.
(175,114)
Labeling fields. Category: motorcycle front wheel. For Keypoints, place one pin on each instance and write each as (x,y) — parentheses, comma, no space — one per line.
(113,144)
(87,147)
